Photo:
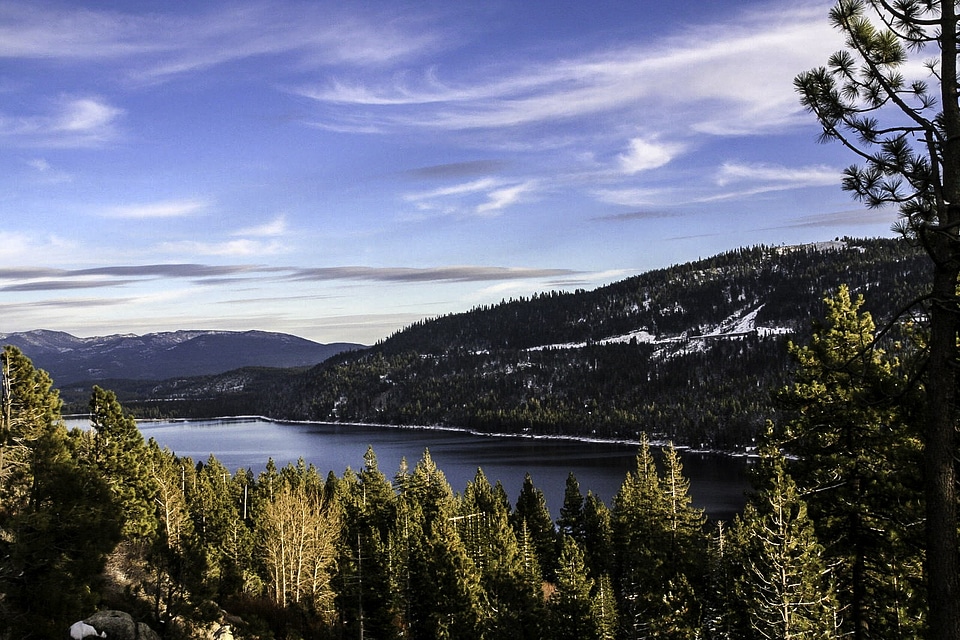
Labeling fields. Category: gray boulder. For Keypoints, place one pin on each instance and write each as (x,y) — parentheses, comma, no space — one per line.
(119,625)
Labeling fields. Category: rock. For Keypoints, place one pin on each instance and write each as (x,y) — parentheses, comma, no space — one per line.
(81,630)
(223,633)
(118,625)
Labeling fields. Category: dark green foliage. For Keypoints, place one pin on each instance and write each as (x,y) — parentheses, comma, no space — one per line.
(853,422)
(442,592)
(659,550)
(777,578)
(58,519)
(571,520)
(119,455)
(572,607)
(512,588)
(531,517)
(363,583)
(300,554)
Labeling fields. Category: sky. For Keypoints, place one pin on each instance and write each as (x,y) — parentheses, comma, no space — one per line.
(340,170)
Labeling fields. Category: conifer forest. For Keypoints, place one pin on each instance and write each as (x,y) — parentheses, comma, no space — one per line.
(827,547)
(850,530)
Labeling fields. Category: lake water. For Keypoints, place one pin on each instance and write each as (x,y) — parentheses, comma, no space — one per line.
(718,482)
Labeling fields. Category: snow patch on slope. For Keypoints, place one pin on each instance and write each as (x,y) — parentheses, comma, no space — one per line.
(737,325)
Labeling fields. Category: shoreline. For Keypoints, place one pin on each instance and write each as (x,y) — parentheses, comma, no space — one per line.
(660,444)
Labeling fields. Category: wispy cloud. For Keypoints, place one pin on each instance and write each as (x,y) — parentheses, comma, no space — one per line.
(72,122)
(732,172)
(162,209)
(631,216)
(484,196)
(44,279)
(741,69)
(630,196)
(436,274)
(157,46)
(499,199)
(847,218)
(647,153)
(276,227)
(61,285)
(240,247)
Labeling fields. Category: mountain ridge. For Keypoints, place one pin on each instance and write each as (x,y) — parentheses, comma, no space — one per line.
(157,356)
(691,353)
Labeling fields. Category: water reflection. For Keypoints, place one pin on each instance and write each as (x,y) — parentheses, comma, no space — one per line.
(717,482)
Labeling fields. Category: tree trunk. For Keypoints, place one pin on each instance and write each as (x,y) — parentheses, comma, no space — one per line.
(940,447)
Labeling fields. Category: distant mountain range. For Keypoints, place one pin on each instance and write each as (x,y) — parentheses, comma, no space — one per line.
(691,353)
(159,356)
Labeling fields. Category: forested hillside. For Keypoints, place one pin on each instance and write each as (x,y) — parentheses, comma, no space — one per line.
(691,353)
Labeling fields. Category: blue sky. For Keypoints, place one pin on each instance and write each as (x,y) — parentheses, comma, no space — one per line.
(340,170)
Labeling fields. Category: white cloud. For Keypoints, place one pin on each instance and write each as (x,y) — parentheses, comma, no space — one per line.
(276,227)
(474,186)
(816,176)
(156,46)
(18,246)
(647,153)
(163,209)
(39,164)
(74,122)
(240,247)
(483,196)
(630,197)
(717,79)
(502,198)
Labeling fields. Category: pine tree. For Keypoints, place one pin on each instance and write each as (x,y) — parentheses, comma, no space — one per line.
(597,535)
(531,512)
(573,611)
(119,453)
(220,536)
(852,424)
(783,588)
(173,554)
(368,503)
(512,593)
(658,546)
(605,608)
(58,519)
(571,520)
(906,130)
(439,593)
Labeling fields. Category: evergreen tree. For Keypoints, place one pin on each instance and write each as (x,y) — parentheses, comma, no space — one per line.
(573,611)
(439,592)
(597,535)
(531,512)
(368,503)
(907,134)
(658,546)
(120,454)
(781,583)
(512,593)
(174,555)
(571,520)
(58,519)
(605,608)
(850,421)
(220,536)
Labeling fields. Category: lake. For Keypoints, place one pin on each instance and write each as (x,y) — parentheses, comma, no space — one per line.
(718,482)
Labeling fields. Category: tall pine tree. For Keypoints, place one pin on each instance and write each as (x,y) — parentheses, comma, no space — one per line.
(852,422)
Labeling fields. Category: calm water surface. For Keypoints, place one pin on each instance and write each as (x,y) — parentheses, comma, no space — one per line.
(717,482)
